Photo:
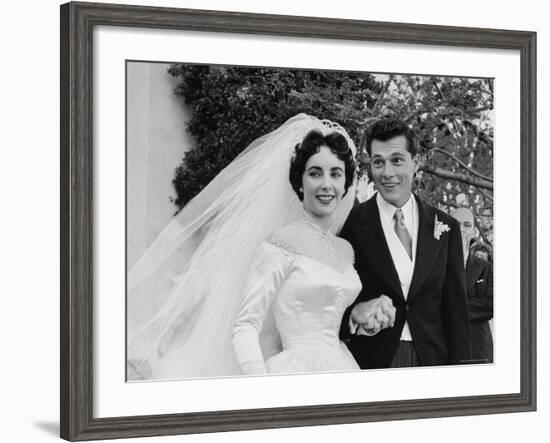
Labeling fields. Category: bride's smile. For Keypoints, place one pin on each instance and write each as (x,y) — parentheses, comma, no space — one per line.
(323,184)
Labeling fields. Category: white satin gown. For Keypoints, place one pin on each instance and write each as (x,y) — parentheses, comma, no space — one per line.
(308,298)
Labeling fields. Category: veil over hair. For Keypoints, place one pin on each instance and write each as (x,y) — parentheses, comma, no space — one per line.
(193,275)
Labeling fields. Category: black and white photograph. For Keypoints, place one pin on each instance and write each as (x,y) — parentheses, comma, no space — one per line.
(274,221)
(296,221)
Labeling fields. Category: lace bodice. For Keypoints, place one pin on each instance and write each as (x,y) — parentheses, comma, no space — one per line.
(307,298)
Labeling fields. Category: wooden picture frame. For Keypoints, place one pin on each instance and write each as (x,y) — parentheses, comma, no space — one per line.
(77,211)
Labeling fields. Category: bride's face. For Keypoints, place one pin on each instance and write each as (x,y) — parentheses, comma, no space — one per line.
(323,183)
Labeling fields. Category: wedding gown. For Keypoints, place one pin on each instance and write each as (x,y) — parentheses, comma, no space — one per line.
(307,298)
(193,276)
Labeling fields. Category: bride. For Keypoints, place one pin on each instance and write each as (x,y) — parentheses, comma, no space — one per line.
(250,277)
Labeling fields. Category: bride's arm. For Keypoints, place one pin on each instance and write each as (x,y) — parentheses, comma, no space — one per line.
(267,274)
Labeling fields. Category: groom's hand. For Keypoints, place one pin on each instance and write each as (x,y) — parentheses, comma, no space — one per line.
(388,310)
(368,318)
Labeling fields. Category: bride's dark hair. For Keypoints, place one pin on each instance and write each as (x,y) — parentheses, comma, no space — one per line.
(312,143)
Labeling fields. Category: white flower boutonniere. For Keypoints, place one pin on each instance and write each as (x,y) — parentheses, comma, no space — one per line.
(439,228)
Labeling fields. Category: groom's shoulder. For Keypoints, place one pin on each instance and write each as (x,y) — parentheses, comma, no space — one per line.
(364,207)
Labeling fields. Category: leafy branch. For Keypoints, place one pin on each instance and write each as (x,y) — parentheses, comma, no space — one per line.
(452,175)
(461,163)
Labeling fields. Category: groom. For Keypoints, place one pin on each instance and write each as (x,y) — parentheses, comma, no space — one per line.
(412,310)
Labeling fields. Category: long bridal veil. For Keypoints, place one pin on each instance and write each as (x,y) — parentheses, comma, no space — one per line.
(194,273)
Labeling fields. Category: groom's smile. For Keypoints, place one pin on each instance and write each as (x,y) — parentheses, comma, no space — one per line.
(393,168)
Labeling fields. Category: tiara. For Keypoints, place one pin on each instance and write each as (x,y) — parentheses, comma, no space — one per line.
(330,126)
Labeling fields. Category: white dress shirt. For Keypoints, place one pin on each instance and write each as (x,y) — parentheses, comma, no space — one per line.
(404,265)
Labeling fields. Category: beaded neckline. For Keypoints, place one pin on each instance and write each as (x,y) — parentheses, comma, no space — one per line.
(278,243)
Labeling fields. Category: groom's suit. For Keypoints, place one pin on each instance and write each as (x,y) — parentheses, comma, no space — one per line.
(435,308)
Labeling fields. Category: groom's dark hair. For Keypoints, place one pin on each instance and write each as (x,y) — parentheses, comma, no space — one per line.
(385,129)
(311,145)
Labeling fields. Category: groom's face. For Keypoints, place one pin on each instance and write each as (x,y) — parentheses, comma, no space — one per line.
(393,168)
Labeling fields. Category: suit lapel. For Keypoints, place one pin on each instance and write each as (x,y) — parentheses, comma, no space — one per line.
(427,247)
(374,246)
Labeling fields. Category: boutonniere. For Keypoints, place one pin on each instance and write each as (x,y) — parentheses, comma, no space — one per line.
(439,228)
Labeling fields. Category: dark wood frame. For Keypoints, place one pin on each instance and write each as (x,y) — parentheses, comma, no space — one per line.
(77,24)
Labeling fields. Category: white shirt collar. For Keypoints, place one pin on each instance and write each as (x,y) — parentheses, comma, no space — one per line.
(387,210)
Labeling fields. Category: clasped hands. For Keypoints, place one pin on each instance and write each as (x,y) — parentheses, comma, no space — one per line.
(370,317)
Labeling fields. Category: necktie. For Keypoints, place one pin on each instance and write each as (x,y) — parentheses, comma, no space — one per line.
(401,231)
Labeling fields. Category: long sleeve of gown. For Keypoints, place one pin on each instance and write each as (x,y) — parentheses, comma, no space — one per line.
(268,272)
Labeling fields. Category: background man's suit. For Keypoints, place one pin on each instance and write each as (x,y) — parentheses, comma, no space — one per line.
(435,309)
(479,284)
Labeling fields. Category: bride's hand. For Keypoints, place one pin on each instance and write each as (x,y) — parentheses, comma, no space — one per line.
(364,312)
(373,315)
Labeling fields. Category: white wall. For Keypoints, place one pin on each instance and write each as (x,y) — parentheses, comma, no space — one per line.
(157,141)
(30,220)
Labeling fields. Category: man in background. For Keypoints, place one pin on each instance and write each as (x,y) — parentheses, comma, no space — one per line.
(479,287)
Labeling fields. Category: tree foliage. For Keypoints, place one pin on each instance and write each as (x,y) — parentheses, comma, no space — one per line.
(231,107)
(452,118)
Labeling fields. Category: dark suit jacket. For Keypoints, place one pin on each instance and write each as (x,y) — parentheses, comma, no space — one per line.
(479,284)
(436,307)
